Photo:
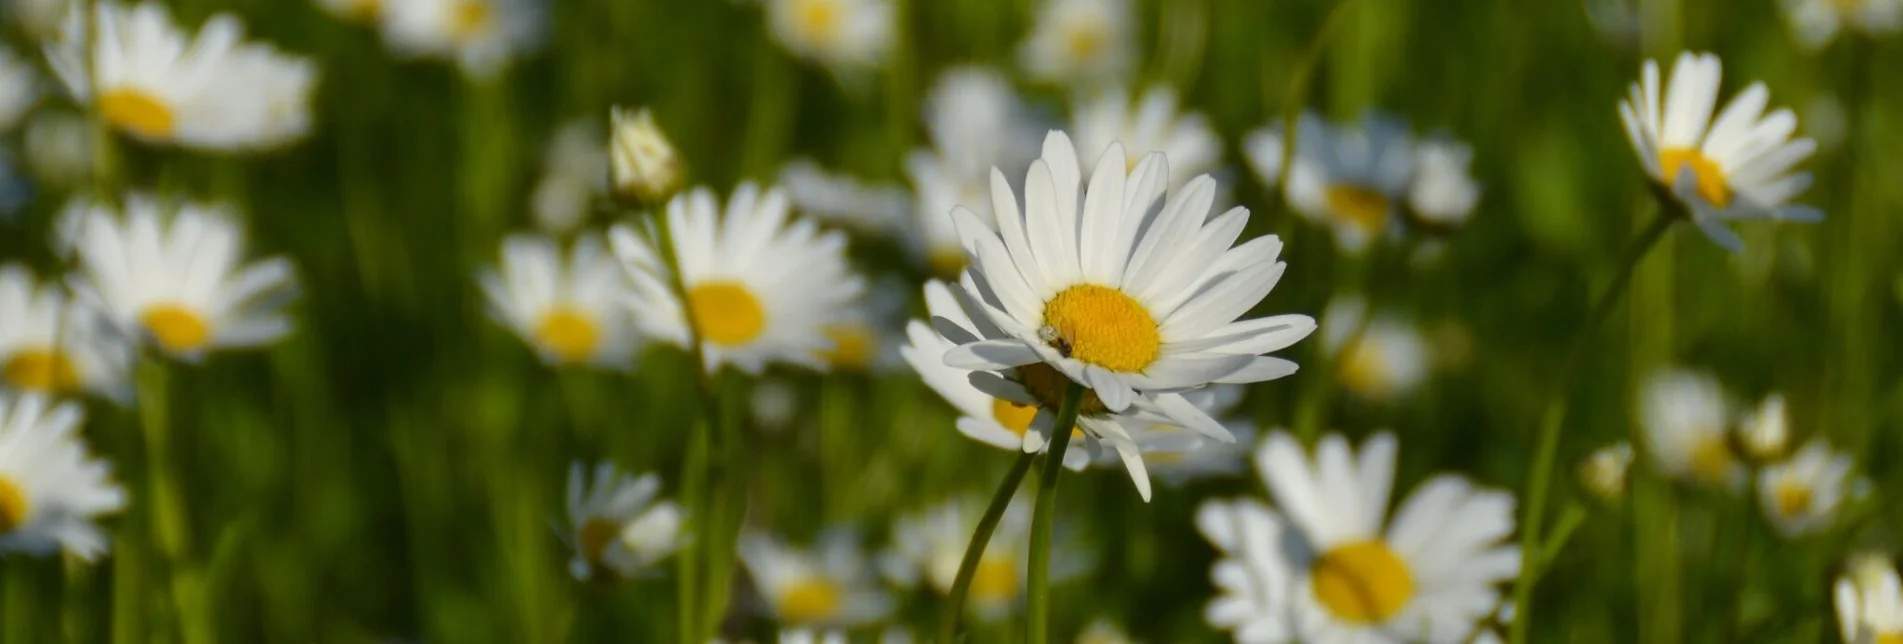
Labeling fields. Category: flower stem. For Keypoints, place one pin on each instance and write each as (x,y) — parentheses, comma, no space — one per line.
(1039,592)
(968,567)
(1539,478)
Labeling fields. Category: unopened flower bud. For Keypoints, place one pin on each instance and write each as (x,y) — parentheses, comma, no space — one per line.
(1763,435)
(645,167)
(1603,473)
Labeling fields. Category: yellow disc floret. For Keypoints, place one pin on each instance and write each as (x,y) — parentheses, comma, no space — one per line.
(1362,582)
(1102,326)
(726,313)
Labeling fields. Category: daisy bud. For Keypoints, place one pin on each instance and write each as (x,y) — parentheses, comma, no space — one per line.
(1764,434)
(1603,472)
(645,167)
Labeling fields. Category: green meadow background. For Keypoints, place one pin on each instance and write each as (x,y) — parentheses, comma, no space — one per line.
(394,470)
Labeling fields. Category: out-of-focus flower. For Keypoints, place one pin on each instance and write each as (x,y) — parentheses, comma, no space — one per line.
(1870,602)
(1103,631)
(57,149)
(1353,179)
(843,200)
(574,174)
(1442,194)
(846,36)
(977,123)
(615,524)
(1080,42)
(1321,567)
(929,547)
(867,338)
(170,273)
(361,11)
(1684,416)
(761,287)
(645,166)
(51,345)
(1387,361)
(1817,22)
(774,403)
(19,89)
(481,36)
(829,586)
(1734,167)
(1151,125)
(1603,472)
(1764,434)
(570,309)
(1802,495)
(809,636)
(51,489)
(209,92)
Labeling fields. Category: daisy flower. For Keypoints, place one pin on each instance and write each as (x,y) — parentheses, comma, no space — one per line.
(169,273)
(1734,167)
(761,286)
(1388,360)
(643,163)
(1763,434)
(567,307)
(574,174)
(615,523)
(1603,472)
(1442,194)
(841,199)
(1870,603)
(1816,22)
(1684,416)
(1100,288)
(51,488)
(361,11)
(831,586)
(1802,495)
(481,36)
(930,547)
(843,35)
(1152,124)
(19,89)
(155,83)
(1321,568)
(1353,179)
(51,345)
(1080,41)
(976,122)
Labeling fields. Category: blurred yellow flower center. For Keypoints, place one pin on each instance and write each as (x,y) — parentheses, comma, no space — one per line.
(1364,369)
(13,506)
(568,333)
(1047,385)
(1357,206)
(1085,41)
(726,313)
(177,329)
(818,19)
(852,347)
(470,19)
(136,111)
(42,370)
(1711,178)
(809,600)
(595,536)
(1104,327)
(1711,458)
(1890,638)
(1362,582)
(1791,497)
(995,580)
(1017,418)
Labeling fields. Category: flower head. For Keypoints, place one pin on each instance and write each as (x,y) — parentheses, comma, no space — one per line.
(1764,434)
(1870,603)
(645,166)
(615,523)
(1379,359)
(1801,496)
(574,174)
(1684,416)
(569,308)
(481,36)
(52,345)
(844,35)
(1080,41)
(930,546)
(1817,22)
(1352,178)
(51,488)
(1603,472)
(1442,194)
(829,586)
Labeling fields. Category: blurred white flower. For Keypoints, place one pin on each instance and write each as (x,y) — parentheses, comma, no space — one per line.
(170,273)
(1080,42)
(616,524)
(19,89)
(1153,124)
(209,92)
(1817,22)
(1801,496)
(868,336)
(51,488)
(1734,167)
(828,586)
(930,546)
(51,345)
(645,166)
(841,199)
(1603,472)
(1442,194)
(574,174)
(1321,568)
(1870,602)
(1387,361)
(1350,178)
(568,306)
(57,147)
(761,286)
(977,123)
(844,35)
(1684,416)
(1764,434)
(481,36)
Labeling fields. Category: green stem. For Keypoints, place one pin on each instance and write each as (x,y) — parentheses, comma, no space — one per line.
(1539,478)
(968,567)
(1040,584)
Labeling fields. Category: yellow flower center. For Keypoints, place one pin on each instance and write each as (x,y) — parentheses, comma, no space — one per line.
(852,347)
(595,536)
(43,370)
(809,600)
(1047,385)
(946,262)
(1085,41)
(138,112)
(1711,178)
(1012,416)
(471,19)
(568,333)
(1894,637)
(177,329)
(726,313)
(13,507)
(1103,326)
(1357,206)
(1711,458)
(995,580)
(1362,582)
(818,19)
(1791,497)
(1364,369)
